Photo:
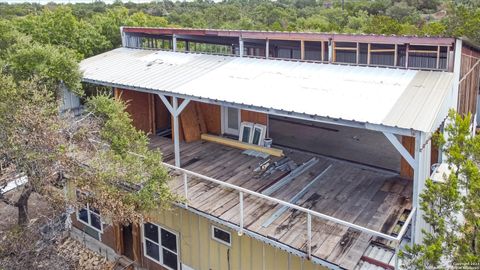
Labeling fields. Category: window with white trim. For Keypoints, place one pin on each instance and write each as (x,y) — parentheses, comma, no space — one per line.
(161,245)
(221,235)
(90,217)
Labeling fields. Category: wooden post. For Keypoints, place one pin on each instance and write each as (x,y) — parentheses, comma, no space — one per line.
(395,55)
(267,48)
(117,232)
(358,53)
(302,49)
(406,55)
(136,235)
(322,54)
(368,53)
(438,56)
(334,52)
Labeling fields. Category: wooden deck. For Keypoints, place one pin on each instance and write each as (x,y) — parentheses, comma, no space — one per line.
(365,196)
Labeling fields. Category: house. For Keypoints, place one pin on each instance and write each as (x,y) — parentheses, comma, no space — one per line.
(351,119)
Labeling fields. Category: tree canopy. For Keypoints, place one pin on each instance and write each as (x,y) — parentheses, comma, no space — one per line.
(452,207)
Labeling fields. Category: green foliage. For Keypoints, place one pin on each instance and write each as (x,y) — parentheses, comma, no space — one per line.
(446,204)
(60,27)
(50,65)
(126,164)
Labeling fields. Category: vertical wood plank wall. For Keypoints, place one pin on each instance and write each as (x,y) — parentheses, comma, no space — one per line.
(409,143)
(254,117)
(199,251)
(469,85)
(140,107)
(406,171)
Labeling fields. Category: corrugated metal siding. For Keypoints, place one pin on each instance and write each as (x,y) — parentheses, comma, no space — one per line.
(199,251)
(361,94)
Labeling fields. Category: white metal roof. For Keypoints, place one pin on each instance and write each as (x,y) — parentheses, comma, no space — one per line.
(406,99)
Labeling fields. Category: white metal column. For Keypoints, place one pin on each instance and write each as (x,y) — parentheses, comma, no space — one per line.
(240,46)
(421,173)
(175,110)
(174,42)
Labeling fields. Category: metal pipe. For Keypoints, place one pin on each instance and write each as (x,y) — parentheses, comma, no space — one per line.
(309,235)
(185,188)
(176,130)
(241,214)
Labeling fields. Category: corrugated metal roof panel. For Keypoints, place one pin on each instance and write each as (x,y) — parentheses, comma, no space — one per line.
(406,99)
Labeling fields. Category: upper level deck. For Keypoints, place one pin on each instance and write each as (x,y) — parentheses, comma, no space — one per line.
(411,52)
(365,196)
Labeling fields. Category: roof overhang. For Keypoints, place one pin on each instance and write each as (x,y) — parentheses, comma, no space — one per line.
(390,100)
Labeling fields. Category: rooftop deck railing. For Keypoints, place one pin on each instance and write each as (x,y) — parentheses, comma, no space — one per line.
(308,212)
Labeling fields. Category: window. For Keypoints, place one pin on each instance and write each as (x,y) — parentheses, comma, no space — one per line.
(252,133)
(246,129)
(221,236)
(231,120)
(90,217)
(161,245)
(258,134)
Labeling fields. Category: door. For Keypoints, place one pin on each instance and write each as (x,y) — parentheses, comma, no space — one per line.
(128,241)
(231,121)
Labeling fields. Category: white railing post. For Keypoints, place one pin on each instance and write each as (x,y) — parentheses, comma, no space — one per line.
(397,248)
(185,188)
(241,213)
(309,235)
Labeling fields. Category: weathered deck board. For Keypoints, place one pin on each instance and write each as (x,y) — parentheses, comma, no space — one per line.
(352,192)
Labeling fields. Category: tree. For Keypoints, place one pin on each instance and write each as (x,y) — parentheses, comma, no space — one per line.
(452,207)
(60,27)
(50,65)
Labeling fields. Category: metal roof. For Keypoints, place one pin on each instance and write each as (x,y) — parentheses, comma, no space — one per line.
(404,99)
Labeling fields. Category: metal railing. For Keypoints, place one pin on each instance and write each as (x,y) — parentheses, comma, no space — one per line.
(309,213)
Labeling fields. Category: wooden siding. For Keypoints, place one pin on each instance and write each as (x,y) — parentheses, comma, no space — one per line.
(199,251)
(254,117)
(469,81)
(140,107)
(212,115)
(162,115)
(406,171)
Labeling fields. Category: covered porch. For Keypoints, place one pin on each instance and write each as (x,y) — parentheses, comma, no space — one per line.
(372,198)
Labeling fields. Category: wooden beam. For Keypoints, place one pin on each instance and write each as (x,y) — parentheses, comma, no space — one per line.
(346,48)
(242,145)
(381,50)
